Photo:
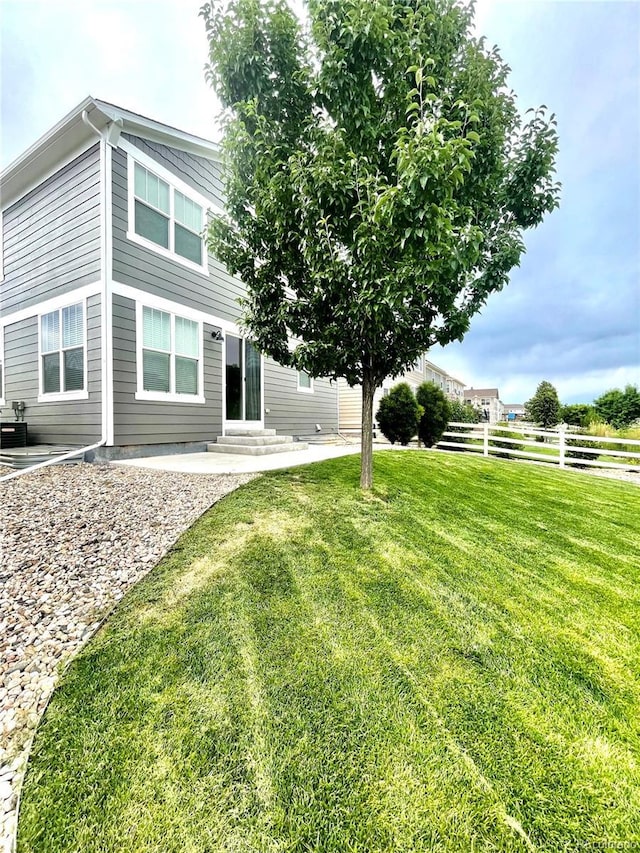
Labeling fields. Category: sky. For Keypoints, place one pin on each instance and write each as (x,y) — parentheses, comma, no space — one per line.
(571,312)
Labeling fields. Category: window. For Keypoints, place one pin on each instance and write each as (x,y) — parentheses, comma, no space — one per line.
(62,346)
(165,217)
(418,365)
(169,356)
(305,382)
(188,225)
(151,207)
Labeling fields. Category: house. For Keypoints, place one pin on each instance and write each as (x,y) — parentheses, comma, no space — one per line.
(422,371)
(117,328)
(455,389)
(487,402)
(514,411)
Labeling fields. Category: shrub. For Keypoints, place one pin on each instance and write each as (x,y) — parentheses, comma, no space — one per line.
(581,454)
(494,441)
(603,430)
(399,414)
(436,413)
(578,414)
(463,413)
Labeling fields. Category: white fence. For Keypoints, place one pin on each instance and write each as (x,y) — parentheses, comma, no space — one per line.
(558,447)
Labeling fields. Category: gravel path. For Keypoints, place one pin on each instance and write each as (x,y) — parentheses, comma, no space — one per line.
(73,539)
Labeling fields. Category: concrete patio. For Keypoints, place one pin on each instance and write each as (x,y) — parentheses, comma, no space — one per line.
(231,463)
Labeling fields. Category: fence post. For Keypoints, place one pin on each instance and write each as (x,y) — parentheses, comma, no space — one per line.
(561,431)
(485,428)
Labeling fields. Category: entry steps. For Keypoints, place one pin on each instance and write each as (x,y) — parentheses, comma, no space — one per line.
(255,442)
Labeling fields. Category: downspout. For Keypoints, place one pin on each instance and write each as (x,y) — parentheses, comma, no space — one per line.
(111,135)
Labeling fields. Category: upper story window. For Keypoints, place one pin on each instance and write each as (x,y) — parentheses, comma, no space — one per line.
(62,353)
(165,215)
(169,362)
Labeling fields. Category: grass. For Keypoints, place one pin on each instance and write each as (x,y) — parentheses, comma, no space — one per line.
(447,664)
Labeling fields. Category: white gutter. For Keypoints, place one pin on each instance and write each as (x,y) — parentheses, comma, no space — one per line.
(111,135)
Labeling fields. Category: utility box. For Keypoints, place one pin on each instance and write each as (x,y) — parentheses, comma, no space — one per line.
(13,434)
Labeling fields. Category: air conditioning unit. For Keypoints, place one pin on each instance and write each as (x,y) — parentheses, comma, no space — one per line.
(13,434)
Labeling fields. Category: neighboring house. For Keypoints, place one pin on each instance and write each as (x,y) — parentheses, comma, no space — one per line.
(422,371)
(514,411)
(455,389)
(116,326)
(487,402)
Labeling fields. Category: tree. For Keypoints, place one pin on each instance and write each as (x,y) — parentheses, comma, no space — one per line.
(544,407)
(399,414)
(577,414)
(436,413)
(619,408)
(463,413)
(378,180)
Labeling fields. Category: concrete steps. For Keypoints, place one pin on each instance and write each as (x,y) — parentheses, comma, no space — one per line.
(255,442)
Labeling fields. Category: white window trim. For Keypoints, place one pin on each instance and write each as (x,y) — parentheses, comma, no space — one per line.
(134,156)
(63,396)
(301,388)
(240,424)
(171,396)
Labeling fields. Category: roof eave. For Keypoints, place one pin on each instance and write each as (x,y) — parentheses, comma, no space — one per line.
(155,131)
(71,133)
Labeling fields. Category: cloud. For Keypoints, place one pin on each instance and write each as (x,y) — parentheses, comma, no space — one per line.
(145,56)
(571,313)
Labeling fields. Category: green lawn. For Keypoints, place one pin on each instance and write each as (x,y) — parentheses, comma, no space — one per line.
(448,664)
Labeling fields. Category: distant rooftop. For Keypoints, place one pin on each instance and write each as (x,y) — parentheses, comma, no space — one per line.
(481,392)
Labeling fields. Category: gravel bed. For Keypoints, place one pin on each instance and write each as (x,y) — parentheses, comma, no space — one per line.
(73,539)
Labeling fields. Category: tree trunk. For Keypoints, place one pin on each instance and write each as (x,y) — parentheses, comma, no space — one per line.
(366,446)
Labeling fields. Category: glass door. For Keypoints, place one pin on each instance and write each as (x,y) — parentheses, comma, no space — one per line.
(243,383)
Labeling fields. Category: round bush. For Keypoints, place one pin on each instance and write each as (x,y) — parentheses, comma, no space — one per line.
(398,414)
(436,413)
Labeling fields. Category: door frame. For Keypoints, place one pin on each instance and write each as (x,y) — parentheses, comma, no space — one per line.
(240,424)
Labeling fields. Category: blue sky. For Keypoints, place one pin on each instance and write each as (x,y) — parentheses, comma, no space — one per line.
(571,313)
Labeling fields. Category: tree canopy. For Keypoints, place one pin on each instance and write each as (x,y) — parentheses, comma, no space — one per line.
(544,407)
(577,414)
(378,178)
(619,408)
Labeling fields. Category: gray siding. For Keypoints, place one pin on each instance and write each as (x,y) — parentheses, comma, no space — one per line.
(138,422)
(141,422)
(74,422)
(351,405)
(52,236)
(147,270)
(295,412)
(201,174)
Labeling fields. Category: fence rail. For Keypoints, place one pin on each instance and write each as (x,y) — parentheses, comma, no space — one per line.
(558,447)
